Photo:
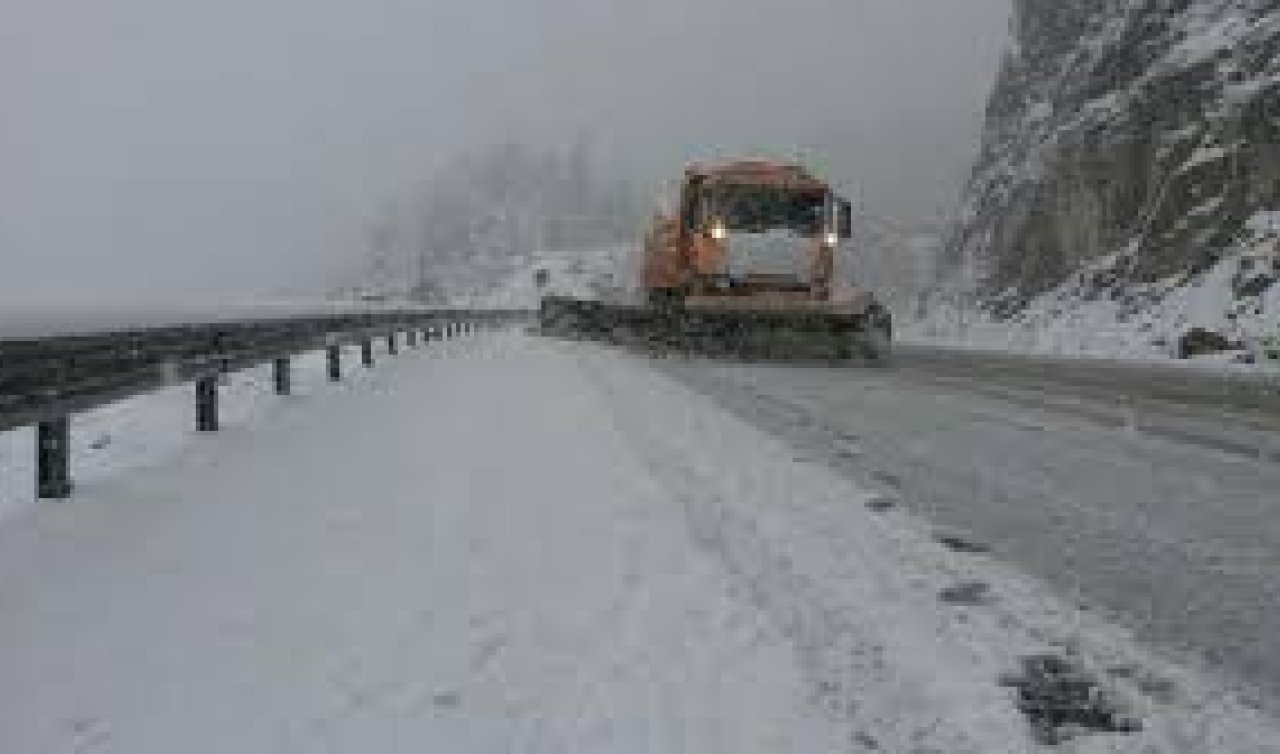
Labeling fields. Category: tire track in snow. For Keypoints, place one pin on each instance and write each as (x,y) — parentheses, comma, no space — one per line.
(846,666)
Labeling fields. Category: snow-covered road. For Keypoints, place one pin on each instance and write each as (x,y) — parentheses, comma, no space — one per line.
(508,544)
(1163,515)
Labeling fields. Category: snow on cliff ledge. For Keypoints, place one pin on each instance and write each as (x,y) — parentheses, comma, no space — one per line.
(1238,298)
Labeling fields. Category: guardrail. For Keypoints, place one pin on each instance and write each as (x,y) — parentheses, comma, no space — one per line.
(44,380)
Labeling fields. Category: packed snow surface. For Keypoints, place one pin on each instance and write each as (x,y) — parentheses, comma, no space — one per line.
(511,544)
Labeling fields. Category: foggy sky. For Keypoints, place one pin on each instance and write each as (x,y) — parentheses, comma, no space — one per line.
(162,148)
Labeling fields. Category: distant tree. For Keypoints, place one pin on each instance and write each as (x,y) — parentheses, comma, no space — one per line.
(489,210)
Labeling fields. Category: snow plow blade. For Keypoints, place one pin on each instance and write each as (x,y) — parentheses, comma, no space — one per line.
(857,331)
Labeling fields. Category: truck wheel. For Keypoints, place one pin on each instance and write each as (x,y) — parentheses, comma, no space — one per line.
(877,346)
(878,338)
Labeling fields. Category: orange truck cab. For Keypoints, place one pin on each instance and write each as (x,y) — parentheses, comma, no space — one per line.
(749,228)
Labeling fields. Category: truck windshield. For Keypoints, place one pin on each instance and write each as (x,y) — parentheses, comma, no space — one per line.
(756,209)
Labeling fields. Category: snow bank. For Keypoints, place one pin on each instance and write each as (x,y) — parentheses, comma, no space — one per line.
(1237,297)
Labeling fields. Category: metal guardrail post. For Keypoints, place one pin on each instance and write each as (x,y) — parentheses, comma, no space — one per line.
(53,458)
(366,352)
(393,346)
(333,358)
(207,404)
(281,374)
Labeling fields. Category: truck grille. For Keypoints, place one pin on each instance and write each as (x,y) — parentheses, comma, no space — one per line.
(780,255)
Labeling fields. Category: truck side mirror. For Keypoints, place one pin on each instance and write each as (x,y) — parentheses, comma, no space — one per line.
(844,218)
(692,206)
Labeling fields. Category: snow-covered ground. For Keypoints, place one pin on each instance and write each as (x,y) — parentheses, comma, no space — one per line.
(457,555)
(1081,318)
(511,544)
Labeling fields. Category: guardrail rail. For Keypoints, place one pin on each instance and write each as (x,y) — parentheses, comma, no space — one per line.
(46,379)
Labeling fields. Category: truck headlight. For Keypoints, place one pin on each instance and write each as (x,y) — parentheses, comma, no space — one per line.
(718,231)
(832,238)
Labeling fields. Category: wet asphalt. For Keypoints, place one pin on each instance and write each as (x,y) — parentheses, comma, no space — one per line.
(1148,494)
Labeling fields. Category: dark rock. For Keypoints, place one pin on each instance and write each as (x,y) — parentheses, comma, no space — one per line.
(1060,699)
(1199,341)
(1254,286)
(967,593)
(893,480)
(960,543)
(1122,671)
(1160,689)
(881,504)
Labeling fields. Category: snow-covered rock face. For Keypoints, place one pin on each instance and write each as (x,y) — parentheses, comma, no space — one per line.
(1140,133)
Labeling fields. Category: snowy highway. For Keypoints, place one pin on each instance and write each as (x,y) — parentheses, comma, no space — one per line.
(1165,516)
(513,544)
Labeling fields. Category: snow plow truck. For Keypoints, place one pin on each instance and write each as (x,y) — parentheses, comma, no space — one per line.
(745,266)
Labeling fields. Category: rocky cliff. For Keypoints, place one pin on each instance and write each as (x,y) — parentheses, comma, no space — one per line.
(1131,147)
